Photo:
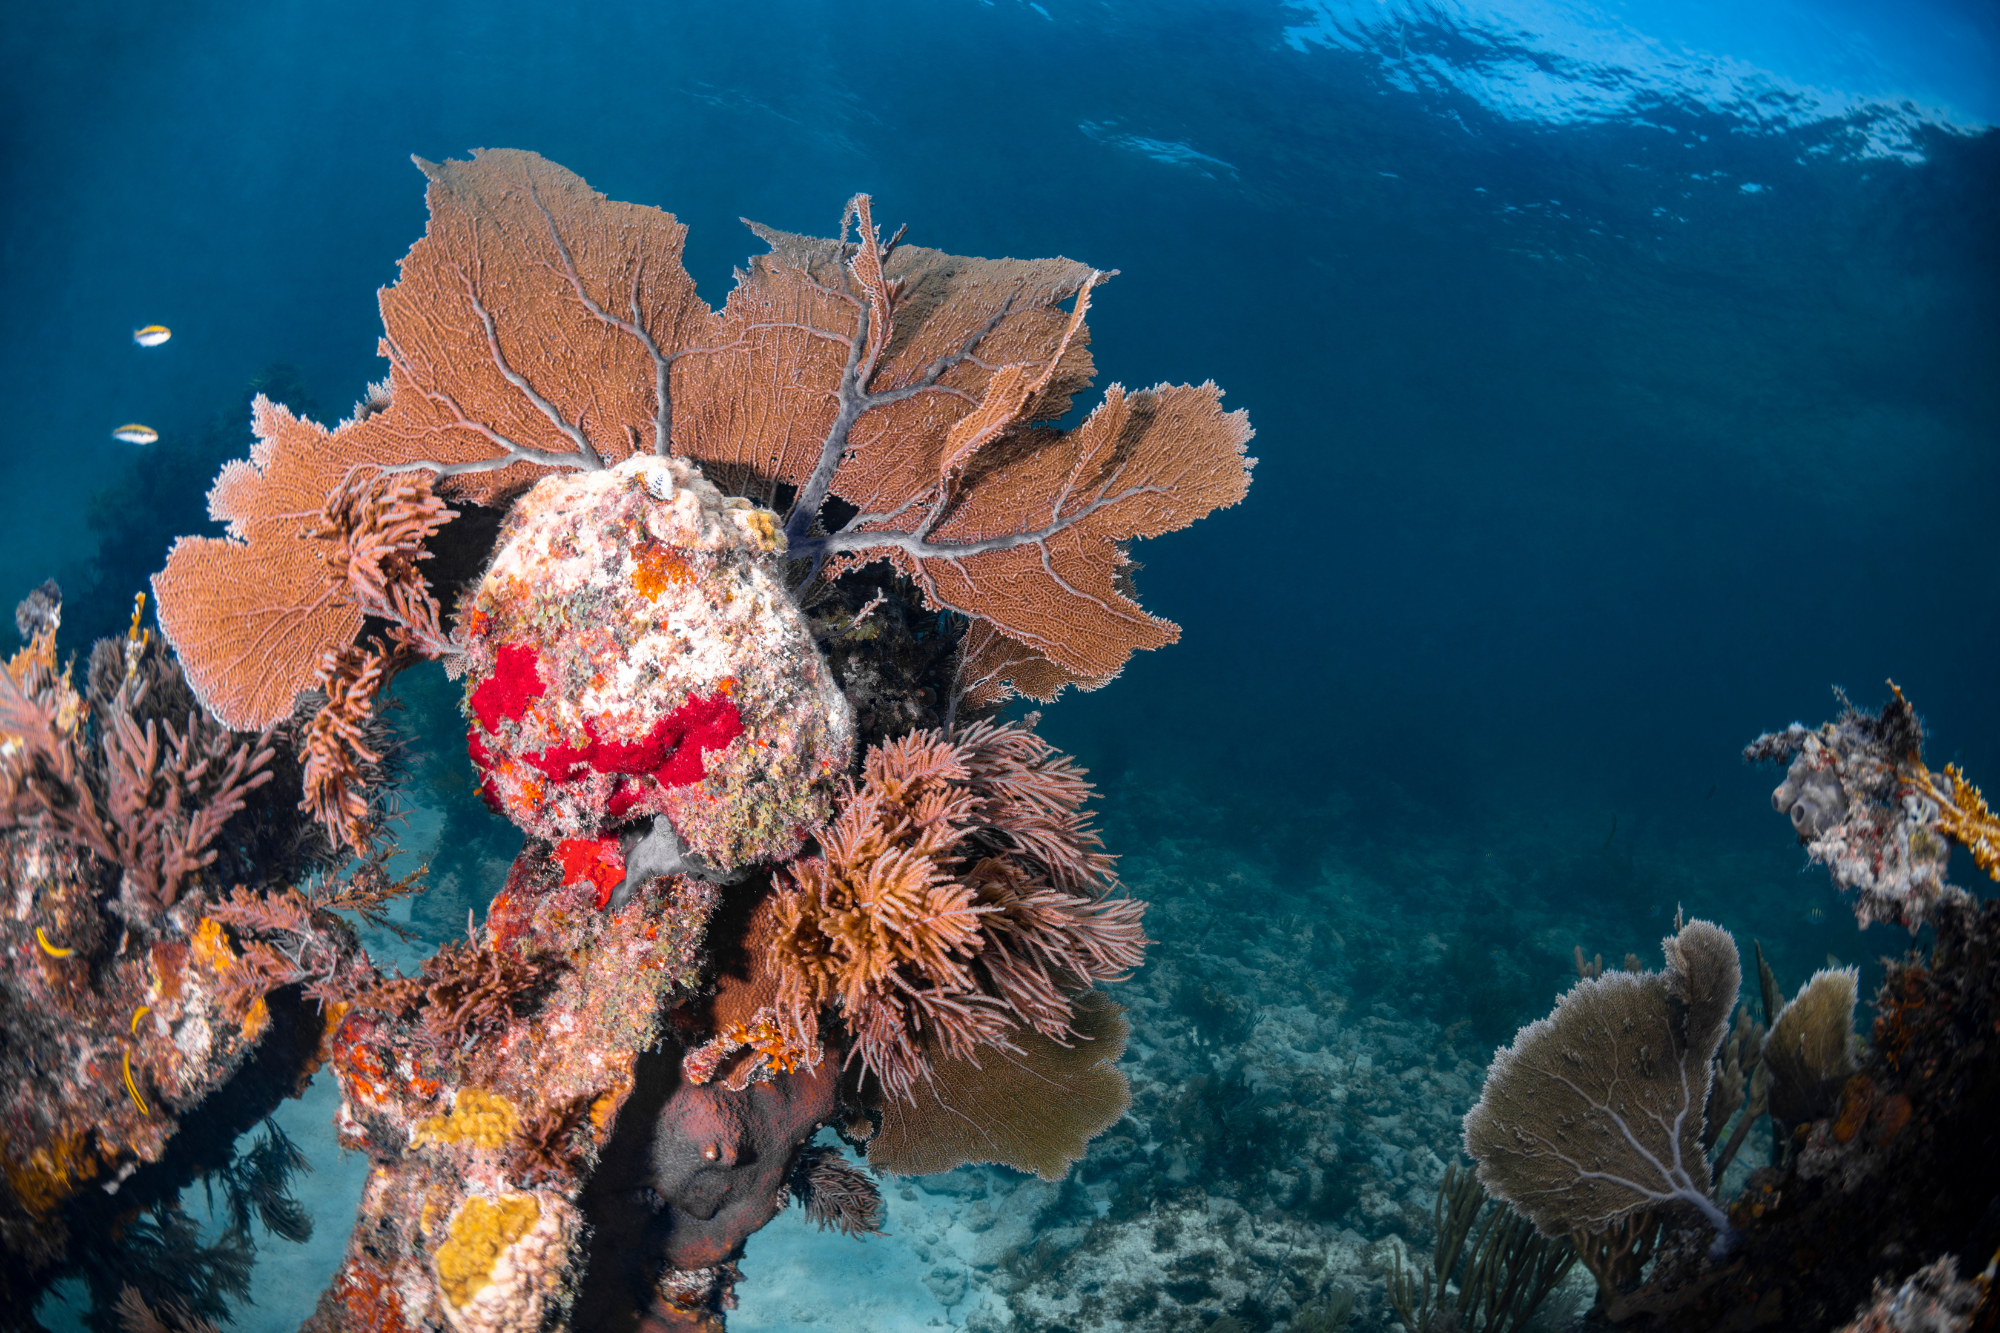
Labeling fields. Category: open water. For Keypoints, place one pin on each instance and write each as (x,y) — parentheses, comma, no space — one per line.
(1624,375)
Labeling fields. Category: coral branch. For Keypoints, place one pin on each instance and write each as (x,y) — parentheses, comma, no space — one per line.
(378,527)
(836,1193)
(336,745)
(290,942)
(149,798)
(168,802)
(1963,814)
(463,993)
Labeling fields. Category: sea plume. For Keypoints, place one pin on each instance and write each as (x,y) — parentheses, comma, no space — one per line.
(149,797)
(961,897)
(836,1193)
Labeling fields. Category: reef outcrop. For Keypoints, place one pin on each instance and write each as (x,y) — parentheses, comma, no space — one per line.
(1599,1122)
(687,562)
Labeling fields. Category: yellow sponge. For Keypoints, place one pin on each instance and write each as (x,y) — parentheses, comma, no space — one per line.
(480,1234)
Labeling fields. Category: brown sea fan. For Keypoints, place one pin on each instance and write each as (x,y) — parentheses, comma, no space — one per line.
(538,326)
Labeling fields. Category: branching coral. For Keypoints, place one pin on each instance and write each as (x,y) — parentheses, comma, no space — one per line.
(244,609)
(335,743)
(170,791)
(463,992)
(367,891)
(136,1316)
(149,798)
(377,527)
(291,939)
(546,1147)
(961,895)
(1864,805)
(1963,814)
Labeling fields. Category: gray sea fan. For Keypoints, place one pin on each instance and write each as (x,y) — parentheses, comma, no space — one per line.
(1595,1112)
(1810,1048)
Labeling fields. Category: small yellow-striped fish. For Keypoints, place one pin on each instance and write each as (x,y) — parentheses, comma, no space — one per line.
(152,335)
(134,433)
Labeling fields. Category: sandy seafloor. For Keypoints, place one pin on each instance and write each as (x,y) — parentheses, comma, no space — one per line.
(1308,1031)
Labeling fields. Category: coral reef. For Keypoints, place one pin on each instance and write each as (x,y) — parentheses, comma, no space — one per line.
(131,1013)
(1888,1179)
(906,382)
(1255,1179)
(148,797)
(494,1075)
(661,687)
(1931,1300)
(1879,1155)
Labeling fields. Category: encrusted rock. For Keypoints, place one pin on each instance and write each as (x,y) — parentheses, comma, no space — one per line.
(634,652)
(502,1259)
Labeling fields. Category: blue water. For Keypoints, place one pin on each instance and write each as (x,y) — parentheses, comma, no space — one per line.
(1624,376)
